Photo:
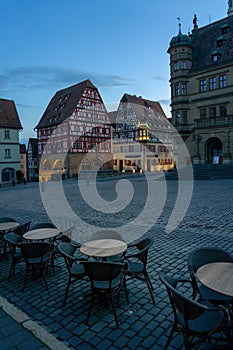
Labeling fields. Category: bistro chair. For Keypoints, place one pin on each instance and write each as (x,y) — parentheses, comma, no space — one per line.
(22,229)
(106,280)
(75,270)
(37,257)
(64,236)
(137,262)
(6,219)
(43,225)
(107,234)
(3,245)
(195,321)
(13,242)
(199,257)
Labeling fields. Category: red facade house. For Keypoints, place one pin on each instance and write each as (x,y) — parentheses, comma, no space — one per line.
(74,126)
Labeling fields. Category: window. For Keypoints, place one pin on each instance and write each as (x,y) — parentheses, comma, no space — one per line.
(7,153)
(223,111)
(216,57)
(225,28)
(203,85)
(177,118)
(212,83)
(220,42)
(212,112)
(184,117)
(176,66)
(203,113)
(7,134)
(222,81)
(183,64)
(183,89)
(177,90)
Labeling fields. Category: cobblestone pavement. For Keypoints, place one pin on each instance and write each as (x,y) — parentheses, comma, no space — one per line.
(208,222)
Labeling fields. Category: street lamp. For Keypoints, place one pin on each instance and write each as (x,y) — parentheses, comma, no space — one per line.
(143,137)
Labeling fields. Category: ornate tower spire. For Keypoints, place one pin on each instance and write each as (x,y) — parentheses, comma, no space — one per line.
(179,24)
(230,8)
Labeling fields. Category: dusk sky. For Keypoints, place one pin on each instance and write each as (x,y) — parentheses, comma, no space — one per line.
(120,45)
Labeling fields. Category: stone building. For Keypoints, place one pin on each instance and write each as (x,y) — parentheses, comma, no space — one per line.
(201,79)
(74,133)
(10,126)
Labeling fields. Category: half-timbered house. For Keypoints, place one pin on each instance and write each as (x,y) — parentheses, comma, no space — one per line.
(74,133)
(143,136)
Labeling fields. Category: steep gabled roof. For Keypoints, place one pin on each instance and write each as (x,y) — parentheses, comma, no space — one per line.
(8,115)
(204,41)
(34,145)
(63,104)
(112,116)
(147,109)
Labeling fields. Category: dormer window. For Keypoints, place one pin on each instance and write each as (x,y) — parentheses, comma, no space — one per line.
(220,41)
(225,29)
(216,56)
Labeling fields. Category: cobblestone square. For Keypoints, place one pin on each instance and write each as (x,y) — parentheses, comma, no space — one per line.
(208,222)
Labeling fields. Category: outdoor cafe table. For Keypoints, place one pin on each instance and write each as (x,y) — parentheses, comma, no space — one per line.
(102,248)
(217,276)
(41,233)
(5,226)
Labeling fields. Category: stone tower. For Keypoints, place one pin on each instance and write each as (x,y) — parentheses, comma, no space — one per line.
(180,51)
(230,8)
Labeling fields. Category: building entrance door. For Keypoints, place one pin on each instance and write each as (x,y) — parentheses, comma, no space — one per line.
(214,151)
(121,165)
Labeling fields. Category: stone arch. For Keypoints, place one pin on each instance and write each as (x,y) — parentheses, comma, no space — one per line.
(46,165)
(213,150)
(58,165)
(86,163)
(8,174)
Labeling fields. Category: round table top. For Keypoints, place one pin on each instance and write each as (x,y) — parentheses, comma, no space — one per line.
(4,226)
(41,233)
(217,276)
(103,247)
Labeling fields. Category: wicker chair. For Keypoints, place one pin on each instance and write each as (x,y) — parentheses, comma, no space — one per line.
(21,229)
(75,270)
(137,262)
(3,245)
(196,322)
(106,280)
(37,257)
(13,242)
(43,225)
(6,219)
